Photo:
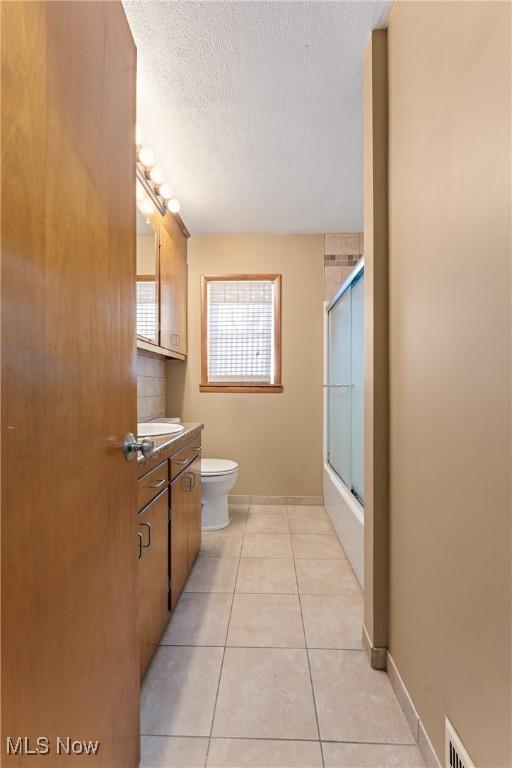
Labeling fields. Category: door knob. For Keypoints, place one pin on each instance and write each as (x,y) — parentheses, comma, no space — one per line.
(131,447)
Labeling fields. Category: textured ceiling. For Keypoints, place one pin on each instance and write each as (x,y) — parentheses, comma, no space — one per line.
(254,110)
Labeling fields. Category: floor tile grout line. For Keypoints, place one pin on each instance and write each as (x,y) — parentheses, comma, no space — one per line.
(263,647)
(223,657)
(309,665)
(282,738)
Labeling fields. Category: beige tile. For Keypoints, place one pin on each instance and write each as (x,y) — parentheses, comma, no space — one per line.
(333,621)
(305,501)
(264,575)
(262,753)
(257,523)
(267,545)
(319,546)
(265,693)
(309,520)
(267,509)
(237,522)
(267,500)
(355,702)
(164,712)
(222,543)
(350,245)
(371,756)
(213,574)
(332,244)
(200,618)
(266,620)
(326,577)
(244,508)
(172,752)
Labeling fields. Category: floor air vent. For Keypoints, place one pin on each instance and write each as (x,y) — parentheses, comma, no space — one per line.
(456,755)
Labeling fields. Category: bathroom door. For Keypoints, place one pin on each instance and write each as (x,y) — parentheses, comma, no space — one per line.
(69,648)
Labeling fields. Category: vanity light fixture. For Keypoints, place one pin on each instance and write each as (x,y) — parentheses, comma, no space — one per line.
(156,175)
(151,187)
(146,157)
(165,191)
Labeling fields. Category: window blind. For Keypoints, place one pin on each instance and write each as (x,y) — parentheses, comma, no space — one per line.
(240,331)
(147,309)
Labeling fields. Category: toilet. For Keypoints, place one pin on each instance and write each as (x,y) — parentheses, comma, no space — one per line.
(218,477)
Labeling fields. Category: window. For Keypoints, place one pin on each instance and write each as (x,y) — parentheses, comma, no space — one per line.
(147,307)
(241,333)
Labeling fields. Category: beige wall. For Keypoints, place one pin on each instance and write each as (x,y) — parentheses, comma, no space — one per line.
(450,247)
(275,438)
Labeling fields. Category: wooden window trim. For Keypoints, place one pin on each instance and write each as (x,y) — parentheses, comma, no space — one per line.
(233,386)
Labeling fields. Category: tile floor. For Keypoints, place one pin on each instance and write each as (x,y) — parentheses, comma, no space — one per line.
(261,665)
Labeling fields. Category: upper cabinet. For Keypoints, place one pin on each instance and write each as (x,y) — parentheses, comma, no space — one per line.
(173,292)
(161,285)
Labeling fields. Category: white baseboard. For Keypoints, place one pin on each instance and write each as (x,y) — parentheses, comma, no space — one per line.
(411,715)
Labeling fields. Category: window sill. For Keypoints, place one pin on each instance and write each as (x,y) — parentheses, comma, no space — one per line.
(248,388)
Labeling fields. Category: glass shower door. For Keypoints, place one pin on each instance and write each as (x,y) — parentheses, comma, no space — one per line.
(345,384)
(339,407)
(357,395)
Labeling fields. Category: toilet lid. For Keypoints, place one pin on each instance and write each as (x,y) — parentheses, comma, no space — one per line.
(217,466)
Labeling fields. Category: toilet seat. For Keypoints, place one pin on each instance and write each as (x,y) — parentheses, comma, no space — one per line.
(213,467)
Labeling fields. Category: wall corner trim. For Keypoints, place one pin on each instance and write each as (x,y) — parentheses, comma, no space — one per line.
(376,656)
(411,715)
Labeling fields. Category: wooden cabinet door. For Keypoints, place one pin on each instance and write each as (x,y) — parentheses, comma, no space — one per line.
(173,293)
(153,576)
(180,499)
(194,514)
(69,566)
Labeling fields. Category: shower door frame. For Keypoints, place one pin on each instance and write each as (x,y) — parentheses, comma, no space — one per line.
(355,275)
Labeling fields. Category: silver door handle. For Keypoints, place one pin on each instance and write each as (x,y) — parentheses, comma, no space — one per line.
(148,525)
(158,484)
(131,447)
(141,544)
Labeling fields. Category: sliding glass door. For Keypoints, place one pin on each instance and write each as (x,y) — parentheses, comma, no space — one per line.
(345,384)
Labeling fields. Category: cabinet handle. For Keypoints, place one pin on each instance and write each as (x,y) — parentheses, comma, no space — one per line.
(141,544)
(189,478)
(157,484)
(148,525)
(197,449)
(181,461)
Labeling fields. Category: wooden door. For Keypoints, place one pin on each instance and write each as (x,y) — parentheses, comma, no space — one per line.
(180,497)
(194,514)
(173,292)
(69,635)
(153,576)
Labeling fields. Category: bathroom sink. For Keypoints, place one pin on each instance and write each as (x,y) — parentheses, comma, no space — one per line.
(154,428)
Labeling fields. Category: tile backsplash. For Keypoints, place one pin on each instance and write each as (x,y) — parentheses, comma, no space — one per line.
(341,254)
(150,387)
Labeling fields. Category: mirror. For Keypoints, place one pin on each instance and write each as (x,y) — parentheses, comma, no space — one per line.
(148,292)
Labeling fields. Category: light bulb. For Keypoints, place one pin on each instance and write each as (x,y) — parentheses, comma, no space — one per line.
(146,157)
(138,135)
(139,192)
(156,175)
(146,206)
(165,191)
(174,205)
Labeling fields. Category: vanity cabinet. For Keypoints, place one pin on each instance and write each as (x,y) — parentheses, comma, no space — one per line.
(153,575)
(168,534)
